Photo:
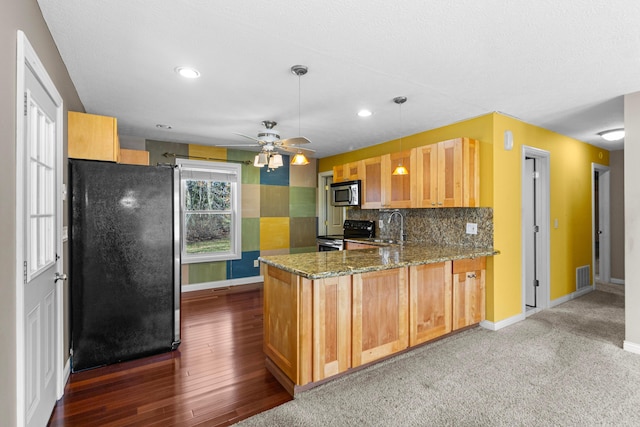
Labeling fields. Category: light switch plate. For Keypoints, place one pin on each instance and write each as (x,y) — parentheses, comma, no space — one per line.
(256,263)
(472,228)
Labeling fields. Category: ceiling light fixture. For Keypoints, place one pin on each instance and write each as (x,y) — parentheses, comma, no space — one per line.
(188,72)
(612,134)
(299,159)
(161,126)
(400,169)
(364,113)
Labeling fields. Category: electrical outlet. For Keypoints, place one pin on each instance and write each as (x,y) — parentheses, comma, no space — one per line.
(256,263)
(472,228)
(380,222)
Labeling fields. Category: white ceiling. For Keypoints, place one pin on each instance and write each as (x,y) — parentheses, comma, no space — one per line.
(561,65)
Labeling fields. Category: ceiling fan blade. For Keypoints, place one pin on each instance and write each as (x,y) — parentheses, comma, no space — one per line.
(295,141)
(257,147)
(291,149)
(253,138)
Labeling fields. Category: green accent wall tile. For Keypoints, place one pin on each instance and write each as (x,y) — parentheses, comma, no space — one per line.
(250,234)
(156,150)
(302,232)
(207,272)
(250,200)
(250,173)
(274,201)
(302,202)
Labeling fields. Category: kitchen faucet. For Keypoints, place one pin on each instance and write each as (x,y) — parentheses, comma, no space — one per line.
(402,236)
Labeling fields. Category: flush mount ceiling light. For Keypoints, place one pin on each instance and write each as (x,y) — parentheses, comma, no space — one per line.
(188,72)
(364,113)
(612,134)
(400,169)
(161,126)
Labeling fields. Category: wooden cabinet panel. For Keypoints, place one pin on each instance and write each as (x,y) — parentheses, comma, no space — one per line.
(353,245)
(429,302)
(338,173)
(380,317)
(134,157)
(331,326)
(401,192)
(93,137)
(468,292)
(375,175)
(287,323)
(448,174)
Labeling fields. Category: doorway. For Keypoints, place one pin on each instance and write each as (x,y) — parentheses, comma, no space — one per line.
(535,230)
(601,226)
(39,323)
(330,218)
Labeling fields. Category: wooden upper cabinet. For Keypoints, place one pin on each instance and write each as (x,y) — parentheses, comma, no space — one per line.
(448,174)
(352,171)
(134,157)
(401,191)
(468,292)
(338,173)
(375,175)
(93,137)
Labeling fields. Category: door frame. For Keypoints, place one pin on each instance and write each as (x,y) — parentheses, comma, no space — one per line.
(27,57)
(604,198)
(543,249)
(321,204)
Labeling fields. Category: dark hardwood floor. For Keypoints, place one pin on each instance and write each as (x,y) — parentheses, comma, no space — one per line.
(216,377)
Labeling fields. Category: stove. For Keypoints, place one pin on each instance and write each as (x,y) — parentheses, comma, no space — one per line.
(352,229)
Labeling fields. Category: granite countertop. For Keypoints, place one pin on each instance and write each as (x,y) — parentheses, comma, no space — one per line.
(318,265)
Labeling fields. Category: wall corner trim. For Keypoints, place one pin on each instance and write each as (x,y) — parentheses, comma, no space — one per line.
(631,347)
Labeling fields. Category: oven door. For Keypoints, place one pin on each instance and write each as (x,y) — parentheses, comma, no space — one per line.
(326,245)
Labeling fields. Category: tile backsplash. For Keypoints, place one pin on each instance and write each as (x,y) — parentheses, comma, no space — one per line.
(443,226)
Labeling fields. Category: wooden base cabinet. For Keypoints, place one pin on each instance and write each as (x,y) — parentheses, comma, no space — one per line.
(380,303)
(429,302)
(468,292)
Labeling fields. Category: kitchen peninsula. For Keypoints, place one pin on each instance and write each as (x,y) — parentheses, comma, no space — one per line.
(328,313)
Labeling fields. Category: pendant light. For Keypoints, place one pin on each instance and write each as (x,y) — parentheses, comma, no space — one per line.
(400,169)
(261,160)
(299,159)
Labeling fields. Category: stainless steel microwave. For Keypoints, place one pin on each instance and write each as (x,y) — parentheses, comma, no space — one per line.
(345,193)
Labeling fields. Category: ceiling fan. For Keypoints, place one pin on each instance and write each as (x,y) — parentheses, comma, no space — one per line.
(268,140)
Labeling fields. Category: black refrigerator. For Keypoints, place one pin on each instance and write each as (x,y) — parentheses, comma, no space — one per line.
(124,275)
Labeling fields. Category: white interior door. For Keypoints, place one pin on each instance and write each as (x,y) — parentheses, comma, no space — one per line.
(602,228)
(530,231)
(39,221)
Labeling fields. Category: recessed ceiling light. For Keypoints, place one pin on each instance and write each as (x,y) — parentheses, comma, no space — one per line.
(161,126)
(188,72)
(612,134)
(364,113)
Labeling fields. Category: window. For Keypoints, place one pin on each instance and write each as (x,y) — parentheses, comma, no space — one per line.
(210,208)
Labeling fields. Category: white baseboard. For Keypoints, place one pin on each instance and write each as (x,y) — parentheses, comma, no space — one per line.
(222,284)
(617,281)
(571,296)
(494,326)
(631,347)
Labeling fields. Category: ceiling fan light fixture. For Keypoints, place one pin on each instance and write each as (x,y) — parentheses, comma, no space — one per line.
(260,160)
(299,160)
(275,161)
(188,72)
(612,134)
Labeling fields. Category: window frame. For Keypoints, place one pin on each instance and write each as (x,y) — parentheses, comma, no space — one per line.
(236,210)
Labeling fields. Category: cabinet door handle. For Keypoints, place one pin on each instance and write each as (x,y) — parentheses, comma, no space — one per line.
(471,276)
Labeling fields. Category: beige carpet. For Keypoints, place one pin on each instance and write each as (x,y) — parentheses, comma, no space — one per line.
(561,367)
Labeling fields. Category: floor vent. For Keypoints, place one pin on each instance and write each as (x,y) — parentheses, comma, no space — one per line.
(582,277)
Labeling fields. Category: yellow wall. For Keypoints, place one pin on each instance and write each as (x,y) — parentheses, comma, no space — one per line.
(500,188)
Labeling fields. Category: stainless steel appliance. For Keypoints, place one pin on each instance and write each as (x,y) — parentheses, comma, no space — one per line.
(124,262)
(345,193)
(352,229)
